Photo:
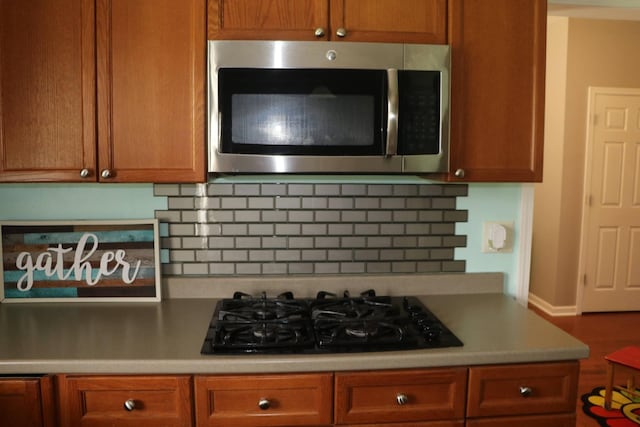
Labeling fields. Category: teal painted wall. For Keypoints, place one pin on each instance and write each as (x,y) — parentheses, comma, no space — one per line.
(490,203)
(78,201)
(485,202)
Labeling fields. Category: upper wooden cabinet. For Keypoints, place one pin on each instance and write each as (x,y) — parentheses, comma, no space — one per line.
(409,21)
(151,77)
(497,89)
(47,90)
(106,90)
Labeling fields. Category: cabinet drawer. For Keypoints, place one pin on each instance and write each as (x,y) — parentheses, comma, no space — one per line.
(126,401)
(264,400)
(522,389)
(459,423)
(556,420)
(366,397)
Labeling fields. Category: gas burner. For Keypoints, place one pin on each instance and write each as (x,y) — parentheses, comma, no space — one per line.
(243,337)
(260,309)
(330,295)
(360,334)
(328,305)
(364,330)
(263,295)
(353,308)
(265,331)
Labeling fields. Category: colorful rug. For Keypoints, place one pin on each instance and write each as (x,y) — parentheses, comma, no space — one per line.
(625,409)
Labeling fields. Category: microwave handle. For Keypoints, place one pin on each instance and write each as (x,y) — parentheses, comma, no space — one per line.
(219,131)
(392,112)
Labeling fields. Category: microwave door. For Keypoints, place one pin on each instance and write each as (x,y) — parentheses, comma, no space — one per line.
(331,112)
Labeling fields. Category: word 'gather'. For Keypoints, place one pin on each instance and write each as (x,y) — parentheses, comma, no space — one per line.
(51,263)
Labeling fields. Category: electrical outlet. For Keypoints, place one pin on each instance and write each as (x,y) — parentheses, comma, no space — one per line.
(497,237)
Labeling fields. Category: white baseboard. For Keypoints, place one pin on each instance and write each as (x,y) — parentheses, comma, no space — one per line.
(552,310)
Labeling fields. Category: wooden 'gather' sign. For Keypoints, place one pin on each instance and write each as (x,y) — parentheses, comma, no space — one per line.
(80,261)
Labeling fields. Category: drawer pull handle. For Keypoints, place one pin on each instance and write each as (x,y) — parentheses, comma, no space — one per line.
(264,404)
(130,404)
(402,399)
(526,391)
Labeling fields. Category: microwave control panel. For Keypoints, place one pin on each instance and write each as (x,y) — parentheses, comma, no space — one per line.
(419,112)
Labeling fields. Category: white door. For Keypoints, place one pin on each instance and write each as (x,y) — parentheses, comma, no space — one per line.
(610,247)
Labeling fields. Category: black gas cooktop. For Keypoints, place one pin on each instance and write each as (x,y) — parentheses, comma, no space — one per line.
(247,324)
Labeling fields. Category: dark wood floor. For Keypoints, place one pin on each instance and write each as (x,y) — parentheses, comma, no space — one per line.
(603,333)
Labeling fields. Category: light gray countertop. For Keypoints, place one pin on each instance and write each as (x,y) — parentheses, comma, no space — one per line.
(166,337)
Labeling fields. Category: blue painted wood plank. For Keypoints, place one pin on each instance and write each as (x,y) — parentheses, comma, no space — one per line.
(42,293)
(118,236)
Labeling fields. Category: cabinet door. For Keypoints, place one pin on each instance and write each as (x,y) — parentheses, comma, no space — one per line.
(400,396)
(125,401)
(497,102)
(151,76)
(47,87)
(26,402)
(268,19)
(390,21)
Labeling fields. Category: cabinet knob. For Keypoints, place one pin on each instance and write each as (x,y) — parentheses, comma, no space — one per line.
(341,32)
(459,173)
(106,173)
(84,173)
(264,404)
(526,391)
(402,399)
(319,32)
(130,404)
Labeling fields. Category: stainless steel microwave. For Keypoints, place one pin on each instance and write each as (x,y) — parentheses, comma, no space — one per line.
(327,107)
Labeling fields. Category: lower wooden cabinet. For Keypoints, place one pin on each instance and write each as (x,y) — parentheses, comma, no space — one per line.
(524,395)
(125,401)
(26,402)
(264,400)
(400,396)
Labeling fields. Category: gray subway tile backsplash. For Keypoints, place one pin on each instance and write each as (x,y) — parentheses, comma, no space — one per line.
(219,229)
